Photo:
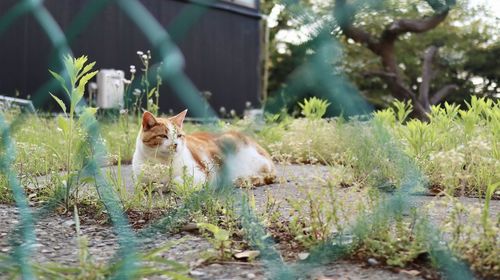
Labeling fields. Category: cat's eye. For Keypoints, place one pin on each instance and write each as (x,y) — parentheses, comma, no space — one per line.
(179,135)
(163,136)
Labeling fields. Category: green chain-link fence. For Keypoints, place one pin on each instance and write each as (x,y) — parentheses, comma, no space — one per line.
(316,71)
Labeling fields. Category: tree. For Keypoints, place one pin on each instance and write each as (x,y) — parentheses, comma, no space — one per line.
(384,46)
(482,63)
(459,36)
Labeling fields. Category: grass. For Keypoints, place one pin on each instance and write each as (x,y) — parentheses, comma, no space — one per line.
(457,151)
(403,238)
(453,156)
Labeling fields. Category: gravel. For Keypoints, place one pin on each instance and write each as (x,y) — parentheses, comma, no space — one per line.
(56,236)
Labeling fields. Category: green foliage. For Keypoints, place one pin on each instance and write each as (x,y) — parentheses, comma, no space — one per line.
(474,236)
(391,237)
(481,62)
(220,240)
(402,110)
(5,191)
(305,141)
(79,75)
(489,194)
(463,47)
(314,108)
(318,216)
(362,220)
(151,264)
(458,149)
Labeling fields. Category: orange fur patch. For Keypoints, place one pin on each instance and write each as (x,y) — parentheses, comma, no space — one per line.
(154,136)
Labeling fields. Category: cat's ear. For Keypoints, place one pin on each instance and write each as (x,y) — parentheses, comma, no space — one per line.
(148,121)
(179,118)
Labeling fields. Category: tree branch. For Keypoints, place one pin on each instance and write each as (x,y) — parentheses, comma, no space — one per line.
(427,74)
(362,37)
(442,93)
(381,74)
(384,47)
(401,26)
(344,15)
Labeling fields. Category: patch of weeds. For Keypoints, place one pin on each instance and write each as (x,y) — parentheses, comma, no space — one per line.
(324,215)
(149,263)
(217,217)
(119,138)
(40,137)
(220,239)
(475,236)
(458,149)
(391,238)
(271,214)
(150,92)
(147,200)
(307,141)
(370,154)
(394,238)
(318,216)
(6,195)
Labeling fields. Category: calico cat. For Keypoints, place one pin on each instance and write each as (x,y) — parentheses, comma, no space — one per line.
(200,154)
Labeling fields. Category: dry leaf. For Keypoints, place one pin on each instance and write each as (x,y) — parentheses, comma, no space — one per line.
(412,272)
(303,256)
(249,254)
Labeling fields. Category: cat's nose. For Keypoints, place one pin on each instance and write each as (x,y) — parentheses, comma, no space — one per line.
(175,146)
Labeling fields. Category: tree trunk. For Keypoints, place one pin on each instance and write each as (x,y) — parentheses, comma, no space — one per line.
(384,47)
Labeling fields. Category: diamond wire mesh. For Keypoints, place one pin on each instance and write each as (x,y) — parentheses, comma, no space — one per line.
(312,72)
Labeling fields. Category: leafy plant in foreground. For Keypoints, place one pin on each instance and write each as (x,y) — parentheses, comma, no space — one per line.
(221,238)
(314,108)
(79,74)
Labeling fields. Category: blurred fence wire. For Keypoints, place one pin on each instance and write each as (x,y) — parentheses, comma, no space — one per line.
(316,73)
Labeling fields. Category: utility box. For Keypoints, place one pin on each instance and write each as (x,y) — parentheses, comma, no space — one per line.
(110,88)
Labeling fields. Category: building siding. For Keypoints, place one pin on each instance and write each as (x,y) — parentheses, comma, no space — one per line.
(221,49)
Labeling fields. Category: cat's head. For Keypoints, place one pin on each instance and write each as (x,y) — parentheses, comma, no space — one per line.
(165,135)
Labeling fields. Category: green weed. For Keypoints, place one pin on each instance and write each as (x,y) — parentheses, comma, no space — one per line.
(314,108)
(220,239)
(79,73)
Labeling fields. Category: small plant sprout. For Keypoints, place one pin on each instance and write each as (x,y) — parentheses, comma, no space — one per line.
(220,239)
(314,108)
(402,110)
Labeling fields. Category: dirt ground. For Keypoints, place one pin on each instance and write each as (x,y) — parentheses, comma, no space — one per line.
(56,238)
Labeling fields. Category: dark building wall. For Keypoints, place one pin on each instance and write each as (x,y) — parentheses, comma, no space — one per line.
(221,49)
